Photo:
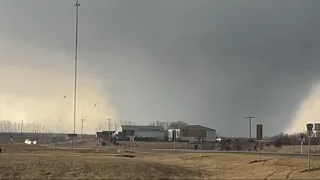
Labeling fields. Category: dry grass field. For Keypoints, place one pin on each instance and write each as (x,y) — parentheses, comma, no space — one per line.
(294,149)
(20,161)
(155,145)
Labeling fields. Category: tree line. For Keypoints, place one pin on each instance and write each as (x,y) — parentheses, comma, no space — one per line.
(166,125)
(295,139)
(8,126)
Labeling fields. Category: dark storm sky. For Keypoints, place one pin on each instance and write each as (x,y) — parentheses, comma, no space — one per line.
(208,62)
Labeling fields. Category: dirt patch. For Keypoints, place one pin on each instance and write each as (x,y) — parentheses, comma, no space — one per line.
(311,170)
(125,155)
(258,161)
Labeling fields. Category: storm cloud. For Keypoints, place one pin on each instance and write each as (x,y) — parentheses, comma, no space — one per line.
(204,62)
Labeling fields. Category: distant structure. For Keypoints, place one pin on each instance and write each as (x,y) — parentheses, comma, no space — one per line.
(250,123)
(105,135)
(146,132)
(317,130)
(211,135)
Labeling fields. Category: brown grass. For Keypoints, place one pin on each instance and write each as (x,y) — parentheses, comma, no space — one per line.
(36,162)
(294,149)
(60,166)
(154,145)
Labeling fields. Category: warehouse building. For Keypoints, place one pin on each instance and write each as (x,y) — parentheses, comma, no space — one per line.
(211,135)
(146,132)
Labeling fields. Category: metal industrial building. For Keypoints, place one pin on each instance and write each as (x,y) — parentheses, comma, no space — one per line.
(146,132)
(211,133)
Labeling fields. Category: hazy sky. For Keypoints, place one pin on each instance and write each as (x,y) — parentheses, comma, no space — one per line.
(208,62)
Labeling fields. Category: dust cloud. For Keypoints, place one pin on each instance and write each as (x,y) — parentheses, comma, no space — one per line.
(35,88)
(307,112)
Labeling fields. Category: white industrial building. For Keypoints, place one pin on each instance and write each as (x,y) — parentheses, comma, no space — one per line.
(150,132)
(211,133)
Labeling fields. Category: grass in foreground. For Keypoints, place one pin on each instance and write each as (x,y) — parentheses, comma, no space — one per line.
(34,162)
(58,166)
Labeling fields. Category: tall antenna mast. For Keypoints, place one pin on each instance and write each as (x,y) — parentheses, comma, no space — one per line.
(75,71)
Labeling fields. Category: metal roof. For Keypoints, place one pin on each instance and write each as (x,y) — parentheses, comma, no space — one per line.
(190,127)
(131,127)
(178,126)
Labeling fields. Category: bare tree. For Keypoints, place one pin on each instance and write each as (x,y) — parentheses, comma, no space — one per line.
(164,124)
(178,124)
(7,126)
(127,123)
(290,139)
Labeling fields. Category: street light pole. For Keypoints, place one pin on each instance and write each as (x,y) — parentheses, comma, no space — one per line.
(75,71)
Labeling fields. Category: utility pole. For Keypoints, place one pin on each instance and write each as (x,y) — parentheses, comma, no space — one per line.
(75,71)
(250,118)
(81,126)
